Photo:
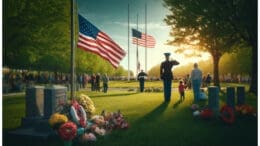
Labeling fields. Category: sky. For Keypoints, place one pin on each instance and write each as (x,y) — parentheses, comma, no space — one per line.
(111,17)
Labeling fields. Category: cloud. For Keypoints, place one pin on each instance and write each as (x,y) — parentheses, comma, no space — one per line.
(150,25)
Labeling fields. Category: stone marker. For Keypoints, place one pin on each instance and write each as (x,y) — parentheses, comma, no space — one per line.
(240,95)
(41,103)
(33,105)
(231,97)
(34,101)
(54,98)
(213,98)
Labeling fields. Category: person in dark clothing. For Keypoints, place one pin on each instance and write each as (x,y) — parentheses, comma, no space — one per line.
(97,82)
(92,82)
(166,76)
(105,80)
(141,78)
(208,80)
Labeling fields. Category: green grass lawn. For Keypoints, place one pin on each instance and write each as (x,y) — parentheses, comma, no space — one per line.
(154,123)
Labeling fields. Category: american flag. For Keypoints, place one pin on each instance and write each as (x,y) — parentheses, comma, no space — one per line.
(139,38)
(93,40)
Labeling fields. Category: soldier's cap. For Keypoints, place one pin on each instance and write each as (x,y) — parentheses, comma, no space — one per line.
(167,54)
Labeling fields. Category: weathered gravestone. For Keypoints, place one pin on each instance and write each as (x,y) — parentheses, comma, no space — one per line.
(54,98)
(41,103)
(240,95)
(34,101)
(213,98)
(231,97)
(33,105)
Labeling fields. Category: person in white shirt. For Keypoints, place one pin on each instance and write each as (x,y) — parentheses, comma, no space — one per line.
(196,78)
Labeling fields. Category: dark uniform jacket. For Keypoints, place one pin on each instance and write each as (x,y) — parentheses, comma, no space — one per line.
(141,76)
(166,69)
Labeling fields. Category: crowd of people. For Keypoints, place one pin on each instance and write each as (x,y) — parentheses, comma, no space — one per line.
(95,80)
(16,81)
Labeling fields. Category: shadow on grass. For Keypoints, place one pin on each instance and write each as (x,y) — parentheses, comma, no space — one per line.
(23,140)
(115,94)
(154,114)
(176,104)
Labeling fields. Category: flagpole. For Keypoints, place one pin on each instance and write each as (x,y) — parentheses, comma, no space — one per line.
(146,38)
(128,47)
(137,55)
(72,59)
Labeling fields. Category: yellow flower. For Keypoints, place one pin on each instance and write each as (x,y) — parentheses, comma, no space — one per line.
(57,118)
(86,103)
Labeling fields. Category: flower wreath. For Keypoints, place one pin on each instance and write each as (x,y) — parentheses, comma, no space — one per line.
(78,114)
(227,114)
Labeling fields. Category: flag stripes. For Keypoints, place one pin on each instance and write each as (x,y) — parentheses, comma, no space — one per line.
(150,41)
(93,40)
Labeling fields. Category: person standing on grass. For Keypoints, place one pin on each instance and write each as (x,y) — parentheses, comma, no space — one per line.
(196,78)
(208,80)
(97,82)
(92,82)
(141,78)
(181,91)
(105,80)
(166,76)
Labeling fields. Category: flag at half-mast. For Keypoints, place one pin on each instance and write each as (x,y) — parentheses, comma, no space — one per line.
(139,38)
(93,40)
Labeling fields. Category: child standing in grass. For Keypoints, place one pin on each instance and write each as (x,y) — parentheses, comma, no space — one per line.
(181,91)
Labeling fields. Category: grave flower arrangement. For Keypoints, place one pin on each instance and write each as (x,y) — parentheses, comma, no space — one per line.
(87,104)
(68,131)
(206,114)
(57,119)
(245,109)
(227,114)
(76,121)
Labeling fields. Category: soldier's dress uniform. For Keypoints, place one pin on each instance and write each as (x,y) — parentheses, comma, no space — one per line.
(167,77)
(141,77)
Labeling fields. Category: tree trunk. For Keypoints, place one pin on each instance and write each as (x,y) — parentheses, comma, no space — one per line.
(216,59)
(253,84)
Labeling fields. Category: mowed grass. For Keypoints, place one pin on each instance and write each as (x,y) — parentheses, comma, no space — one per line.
(153,122)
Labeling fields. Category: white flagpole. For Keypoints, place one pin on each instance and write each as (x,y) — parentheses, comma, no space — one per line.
(146,38)
(128,47)
(72,59)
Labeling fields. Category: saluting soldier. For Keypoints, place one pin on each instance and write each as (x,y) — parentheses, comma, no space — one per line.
(166,76)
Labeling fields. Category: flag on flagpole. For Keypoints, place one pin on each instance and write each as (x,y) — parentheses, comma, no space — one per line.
(93,40)
(139,38)
(136,33)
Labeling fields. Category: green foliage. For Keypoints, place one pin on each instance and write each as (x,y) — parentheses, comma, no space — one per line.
(236,63)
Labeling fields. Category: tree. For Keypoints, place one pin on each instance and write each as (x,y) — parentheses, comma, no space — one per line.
(33,30)
(207,24)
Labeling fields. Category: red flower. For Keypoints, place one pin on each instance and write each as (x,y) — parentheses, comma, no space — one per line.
(206,113)
(68,131)
(227,114)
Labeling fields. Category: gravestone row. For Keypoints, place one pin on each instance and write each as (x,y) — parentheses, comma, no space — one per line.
(213,101)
